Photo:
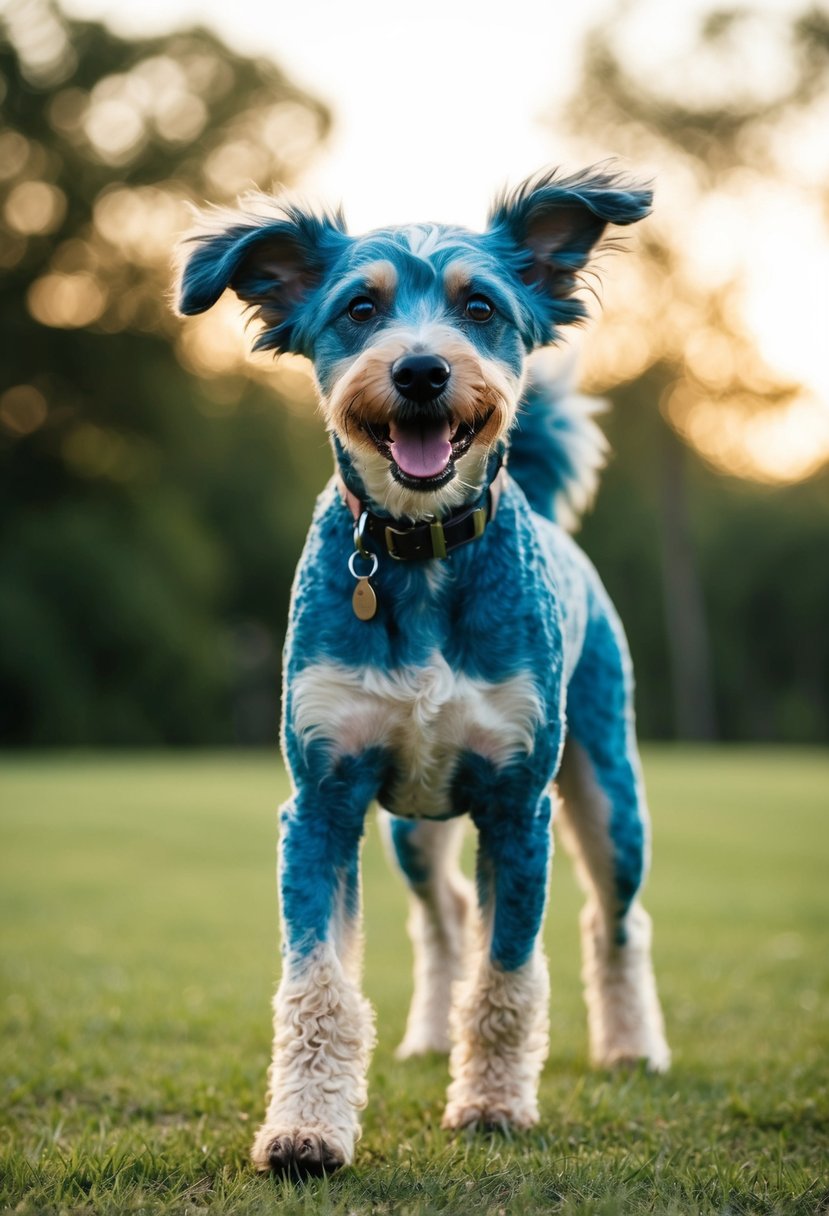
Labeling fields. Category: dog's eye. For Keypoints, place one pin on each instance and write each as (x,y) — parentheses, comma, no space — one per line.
(479,308)
(361,309)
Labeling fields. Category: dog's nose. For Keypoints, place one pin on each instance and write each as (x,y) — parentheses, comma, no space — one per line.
(420,377)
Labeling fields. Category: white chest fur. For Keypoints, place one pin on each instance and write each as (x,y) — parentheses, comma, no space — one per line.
(423,715)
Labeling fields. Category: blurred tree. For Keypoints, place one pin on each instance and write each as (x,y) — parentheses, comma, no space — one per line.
(148,533)
(718,319)
(156,483)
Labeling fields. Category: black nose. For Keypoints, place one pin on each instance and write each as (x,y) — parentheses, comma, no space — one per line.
(420,377)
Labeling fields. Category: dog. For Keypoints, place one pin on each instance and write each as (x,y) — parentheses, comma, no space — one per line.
(451,652)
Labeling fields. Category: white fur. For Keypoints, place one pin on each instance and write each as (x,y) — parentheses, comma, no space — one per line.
(624,1017)
(323,1036)
(479,385)
(588,449)
(500,1031)
(425,239)
(441,910)
(623,1012)
(426,715)
(553,371)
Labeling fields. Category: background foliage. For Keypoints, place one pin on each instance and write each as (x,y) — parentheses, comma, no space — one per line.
(156,485)
(151,518)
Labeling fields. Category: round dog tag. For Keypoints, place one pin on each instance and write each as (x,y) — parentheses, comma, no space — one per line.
(364,601)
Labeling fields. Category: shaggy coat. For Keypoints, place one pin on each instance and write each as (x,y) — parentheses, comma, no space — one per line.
(477,677)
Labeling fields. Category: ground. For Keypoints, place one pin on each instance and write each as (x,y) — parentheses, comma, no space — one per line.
(138,918)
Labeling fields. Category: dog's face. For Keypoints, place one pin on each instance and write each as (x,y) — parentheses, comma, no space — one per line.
(417,334)
(419,358)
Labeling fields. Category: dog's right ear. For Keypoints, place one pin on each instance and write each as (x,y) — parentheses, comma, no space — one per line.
(274,257)
(548,228)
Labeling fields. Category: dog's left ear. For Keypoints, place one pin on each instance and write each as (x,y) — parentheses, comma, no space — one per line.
(548,227)
(273,256)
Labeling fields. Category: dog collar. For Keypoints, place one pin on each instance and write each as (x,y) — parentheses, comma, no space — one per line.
(421,541)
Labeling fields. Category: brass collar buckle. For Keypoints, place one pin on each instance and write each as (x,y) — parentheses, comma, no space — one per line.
(436,535)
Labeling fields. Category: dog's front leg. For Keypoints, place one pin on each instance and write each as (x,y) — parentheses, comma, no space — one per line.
(323,1026)
(500,1020)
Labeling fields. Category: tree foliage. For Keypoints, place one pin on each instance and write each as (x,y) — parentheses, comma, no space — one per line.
(149,527)
(155,484)
(707,346)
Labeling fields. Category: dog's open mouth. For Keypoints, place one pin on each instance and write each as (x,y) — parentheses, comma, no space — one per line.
(422,454)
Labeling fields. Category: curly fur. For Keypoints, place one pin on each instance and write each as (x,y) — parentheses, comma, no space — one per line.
(624,1017)
(500,1033)
(323,1037)
(457,696)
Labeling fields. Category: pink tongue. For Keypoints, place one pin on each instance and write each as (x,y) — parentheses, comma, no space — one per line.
(422,450)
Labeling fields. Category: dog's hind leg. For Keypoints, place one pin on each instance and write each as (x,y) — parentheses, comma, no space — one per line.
(604,823)
(323,1026)
(440,904)
(500,1020)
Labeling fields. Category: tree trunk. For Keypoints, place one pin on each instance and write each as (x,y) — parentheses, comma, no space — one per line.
(694,714)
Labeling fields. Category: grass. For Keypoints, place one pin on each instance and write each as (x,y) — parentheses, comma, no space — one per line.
(138,918)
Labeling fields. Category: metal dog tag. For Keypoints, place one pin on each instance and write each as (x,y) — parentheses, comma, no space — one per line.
(364,601)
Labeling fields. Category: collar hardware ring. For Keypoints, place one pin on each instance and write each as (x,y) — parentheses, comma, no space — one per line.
(372,557)
(360,526)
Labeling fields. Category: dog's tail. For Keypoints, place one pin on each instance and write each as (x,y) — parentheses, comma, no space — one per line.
(556,447)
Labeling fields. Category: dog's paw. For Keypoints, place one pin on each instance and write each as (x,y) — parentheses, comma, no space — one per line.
(303,1152)
(488,1116)
(423,1045)
(656,1059)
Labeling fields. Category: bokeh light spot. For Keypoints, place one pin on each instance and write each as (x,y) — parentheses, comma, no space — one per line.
(40,39)
(234,166)
(66,301)
(142,222)
(115,128)
(22,409)
(34,208)
(181,118)
(776,444)
(14,152)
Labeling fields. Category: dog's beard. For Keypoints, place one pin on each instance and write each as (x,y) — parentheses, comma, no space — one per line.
(414,466)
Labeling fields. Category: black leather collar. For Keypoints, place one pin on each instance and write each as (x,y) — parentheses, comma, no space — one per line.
(415,542)
(421,541)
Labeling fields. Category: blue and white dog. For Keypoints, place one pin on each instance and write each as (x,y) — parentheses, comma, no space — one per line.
(451,651)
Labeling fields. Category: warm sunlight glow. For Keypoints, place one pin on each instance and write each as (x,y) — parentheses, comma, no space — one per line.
(743,307)
(66,301)
(218,344)
(144,222)
(35,207)
(215,343)
(785,299)
(778,444)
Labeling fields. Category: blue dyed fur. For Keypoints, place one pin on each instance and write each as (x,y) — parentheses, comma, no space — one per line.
(521,601)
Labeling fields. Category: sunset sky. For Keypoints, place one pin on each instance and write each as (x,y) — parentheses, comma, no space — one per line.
(437,105)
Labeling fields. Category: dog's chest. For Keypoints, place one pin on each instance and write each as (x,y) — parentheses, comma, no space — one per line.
(425,717)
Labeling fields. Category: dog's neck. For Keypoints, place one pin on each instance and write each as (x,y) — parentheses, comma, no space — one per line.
(420,541)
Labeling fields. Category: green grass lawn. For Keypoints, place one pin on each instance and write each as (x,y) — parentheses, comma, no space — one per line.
(139,955)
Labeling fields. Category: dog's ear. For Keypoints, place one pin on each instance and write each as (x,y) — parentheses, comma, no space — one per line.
(548,227)
(273,256)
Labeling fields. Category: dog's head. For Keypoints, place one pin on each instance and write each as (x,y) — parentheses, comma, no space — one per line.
(417,334)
